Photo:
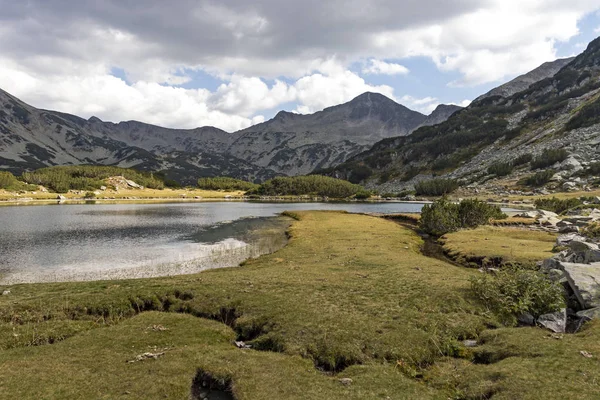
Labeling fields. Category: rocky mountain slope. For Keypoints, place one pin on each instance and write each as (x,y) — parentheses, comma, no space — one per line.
(514,132)
(520,83)
(289,144)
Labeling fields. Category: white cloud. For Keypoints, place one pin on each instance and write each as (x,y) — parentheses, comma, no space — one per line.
(378,67)
(333,85)
(59,54)
(424,105)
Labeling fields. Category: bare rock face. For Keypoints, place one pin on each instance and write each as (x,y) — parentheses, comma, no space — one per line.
(556,322)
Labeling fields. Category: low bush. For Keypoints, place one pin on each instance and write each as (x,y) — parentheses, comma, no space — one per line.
(309,185)
(522,160)
(500,168)
(592,230)
(436,187)
(549,157)
(443,216)
(538,179)
(9,182)
(515,290)
(557,205)
(472,213)
(225,183)
(87,177)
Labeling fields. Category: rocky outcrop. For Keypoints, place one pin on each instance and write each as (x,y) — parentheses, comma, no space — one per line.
(578,268)
(524,81)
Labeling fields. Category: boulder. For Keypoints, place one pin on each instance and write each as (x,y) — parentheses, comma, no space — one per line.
(569,186)
(549,221)
(593,313)
(529,214)
(564,240)
(60,197)
(6,293)
(556,321)
(568,229)
(526,319)
(584,280)
(132,184)
(571,164)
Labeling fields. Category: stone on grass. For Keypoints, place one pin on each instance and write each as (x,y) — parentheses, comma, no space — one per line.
(556,321)
(6,293)
(346,381)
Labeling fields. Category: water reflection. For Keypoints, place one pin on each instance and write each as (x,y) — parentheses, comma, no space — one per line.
(84,242)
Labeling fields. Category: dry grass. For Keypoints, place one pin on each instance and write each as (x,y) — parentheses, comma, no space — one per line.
(348,291)
(500,244)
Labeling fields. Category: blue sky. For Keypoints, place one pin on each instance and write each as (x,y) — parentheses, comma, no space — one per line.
(233,63)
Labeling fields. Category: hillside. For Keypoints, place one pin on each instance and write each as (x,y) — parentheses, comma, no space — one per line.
(558,112)
(289,144)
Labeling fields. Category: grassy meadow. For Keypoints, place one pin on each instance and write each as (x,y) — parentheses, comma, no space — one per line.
(351,296)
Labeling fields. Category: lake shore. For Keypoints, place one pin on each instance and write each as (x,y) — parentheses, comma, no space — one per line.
(365,306)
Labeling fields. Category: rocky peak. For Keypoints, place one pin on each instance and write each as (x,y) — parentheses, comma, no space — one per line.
(93,119)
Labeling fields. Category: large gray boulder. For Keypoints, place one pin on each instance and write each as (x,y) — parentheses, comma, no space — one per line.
(584,280)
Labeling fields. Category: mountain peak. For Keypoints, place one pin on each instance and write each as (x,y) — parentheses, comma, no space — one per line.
(94,119)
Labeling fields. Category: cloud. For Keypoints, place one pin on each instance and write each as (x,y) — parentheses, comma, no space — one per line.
(59,54)
(378,67)
(333,85)
(424,105)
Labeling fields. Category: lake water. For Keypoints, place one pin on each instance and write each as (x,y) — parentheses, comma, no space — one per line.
(112,241)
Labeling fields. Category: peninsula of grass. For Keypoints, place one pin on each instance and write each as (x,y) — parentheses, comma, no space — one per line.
(338,302)
(494,246)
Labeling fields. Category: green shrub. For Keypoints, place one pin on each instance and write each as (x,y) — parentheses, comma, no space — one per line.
(436,187)
(514,291)
(592,230)
(440,217)
(557,205)
(549,157)
(443,216)
(592,169)
(363,194)
(538,179)
(589,115)
(309,185)
(500,169)
(522,160)
(225,183)
(472,213)
(87,177)
(9,182)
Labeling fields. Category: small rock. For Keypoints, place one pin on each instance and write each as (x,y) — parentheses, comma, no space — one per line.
(556,322)
(586,354)
(526,319)
(470,343)
(346,381)
(6,293)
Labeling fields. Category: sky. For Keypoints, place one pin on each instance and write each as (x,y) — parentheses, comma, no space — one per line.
(235,63)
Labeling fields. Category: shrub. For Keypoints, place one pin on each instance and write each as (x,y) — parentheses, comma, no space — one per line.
(500,169)
(592,230)
(443,216)
(363,194)
(514,291)
(472,213)
(549,157)
(522,160)
(87,177)
(9,182)
(225,183)
(436,187)
(440,217)
(557,205)
(538,179)
(309,185)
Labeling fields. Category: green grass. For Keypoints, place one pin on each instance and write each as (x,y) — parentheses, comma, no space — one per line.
(351,294)
(499,245)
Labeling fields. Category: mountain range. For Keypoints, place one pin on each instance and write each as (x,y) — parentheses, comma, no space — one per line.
(288,144)
(555,107)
